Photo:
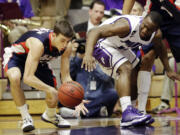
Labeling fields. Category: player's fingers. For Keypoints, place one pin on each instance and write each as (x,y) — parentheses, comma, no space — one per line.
(82,110)
(86,110)
(86,101)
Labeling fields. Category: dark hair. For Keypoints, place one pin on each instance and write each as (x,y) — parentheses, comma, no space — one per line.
(63,27)
(155,17)
(96,2)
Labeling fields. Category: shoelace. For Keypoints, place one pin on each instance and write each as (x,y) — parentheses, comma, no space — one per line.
(58,118)
(135,110)
(26,120)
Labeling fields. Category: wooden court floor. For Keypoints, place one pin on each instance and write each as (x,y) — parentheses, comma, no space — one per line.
(168,124)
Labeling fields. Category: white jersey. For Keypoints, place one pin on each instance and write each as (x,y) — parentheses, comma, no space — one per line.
(112,52)
(132,40)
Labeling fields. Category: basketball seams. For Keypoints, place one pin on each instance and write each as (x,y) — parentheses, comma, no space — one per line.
(78,85)
(77,88)
(66,93)
(71,93)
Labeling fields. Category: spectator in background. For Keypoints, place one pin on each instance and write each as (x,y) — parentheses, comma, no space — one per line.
(99,88)
(96,13)
(17,30)
(25,7)
(168,87)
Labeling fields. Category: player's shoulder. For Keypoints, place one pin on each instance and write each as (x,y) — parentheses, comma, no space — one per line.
(40,31)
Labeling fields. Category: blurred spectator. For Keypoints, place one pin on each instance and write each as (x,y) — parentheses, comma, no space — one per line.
(168,87)
(25,7)
(96,13)
(99,88)
(49,11)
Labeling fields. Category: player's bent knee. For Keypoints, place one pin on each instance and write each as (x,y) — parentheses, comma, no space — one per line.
(14,78)
(125,67)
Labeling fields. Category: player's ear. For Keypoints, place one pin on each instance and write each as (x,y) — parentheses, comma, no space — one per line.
(54,35)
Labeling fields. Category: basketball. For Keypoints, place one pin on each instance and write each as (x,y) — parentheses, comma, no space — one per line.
(71,94)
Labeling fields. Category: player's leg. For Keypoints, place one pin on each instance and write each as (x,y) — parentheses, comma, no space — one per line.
(14,68)
(14,75)
(144,79)
(45,74)
(130,115)
(119,63)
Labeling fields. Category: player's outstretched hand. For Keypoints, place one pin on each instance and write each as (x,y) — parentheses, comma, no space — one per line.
(88,63)
(81,108)
(173,75)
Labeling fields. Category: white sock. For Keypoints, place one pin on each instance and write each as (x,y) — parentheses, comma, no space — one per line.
(125,102)
(50,112)
(24,111)
(134,103)
(144,82)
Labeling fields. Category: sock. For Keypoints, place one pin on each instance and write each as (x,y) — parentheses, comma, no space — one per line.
(50,112)
(24,111)
(134,103)
(144,82)
(125,102)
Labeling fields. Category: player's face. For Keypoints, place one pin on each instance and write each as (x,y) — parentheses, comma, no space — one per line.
(96,14)
(147,27)
(61,42)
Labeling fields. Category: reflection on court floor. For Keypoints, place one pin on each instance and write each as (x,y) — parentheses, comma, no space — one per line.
(164,125)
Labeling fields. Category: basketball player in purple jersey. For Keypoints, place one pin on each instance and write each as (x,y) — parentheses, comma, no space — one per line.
(27,59)
(170,27)
(111,45)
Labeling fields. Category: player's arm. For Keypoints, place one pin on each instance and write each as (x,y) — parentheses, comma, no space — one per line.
(119,28)
(127,6)
(65,64)
(36,50)
(161,50)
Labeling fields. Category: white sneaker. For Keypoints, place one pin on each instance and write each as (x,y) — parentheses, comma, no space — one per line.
(162,107)
(57,120)
(67,113)
(27,124)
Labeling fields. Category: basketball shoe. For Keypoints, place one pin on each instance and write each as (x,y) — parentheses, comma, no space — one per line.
(57,120)
(162,107)
(148,122)
(27,124)
(132,117)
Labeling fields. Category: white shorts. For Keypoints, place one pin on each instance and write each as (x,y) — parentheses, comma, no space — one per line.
(110,58)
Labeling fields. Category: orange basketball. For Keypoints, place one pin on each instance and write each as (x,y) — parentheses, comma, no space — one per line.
(70,94)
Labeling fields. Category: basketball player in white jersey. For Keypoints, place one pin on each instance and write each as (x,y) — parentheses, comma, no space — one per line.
(111,45)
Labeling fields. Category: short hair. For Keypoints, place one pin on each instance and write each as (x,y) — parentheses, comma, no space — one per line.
(155,17)
(63,27)
(96,2)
